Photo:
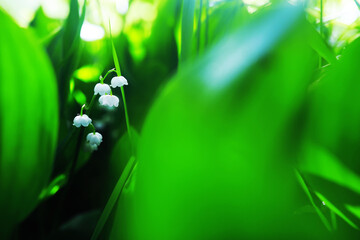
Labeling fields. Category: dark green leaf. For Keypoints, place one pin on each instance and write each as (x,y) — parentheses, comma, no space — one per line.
(28,122)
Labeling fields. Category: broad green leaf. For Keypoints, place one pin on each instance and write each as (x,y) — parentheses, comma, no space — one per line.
(334,114)
(213,159)
(28,122)
(330,163)
(319,45)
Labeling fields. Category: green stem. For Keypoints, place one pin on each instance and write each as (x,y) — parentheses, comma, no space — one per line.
(118,72)
(82,109)
(321,27)
(91,104)
(126,113)
(110,71)
(93,127)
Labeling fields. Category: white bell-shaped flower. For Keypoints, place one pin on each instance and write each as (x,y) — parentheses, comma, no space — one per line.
(94,138)
(102,89)
(82,120)
(109,100)
(118,82)
(93,147)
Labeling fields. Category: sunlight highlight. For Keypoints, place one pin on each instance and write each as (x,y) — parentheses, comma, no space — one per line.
(91,32)
(122,6)
(345,11)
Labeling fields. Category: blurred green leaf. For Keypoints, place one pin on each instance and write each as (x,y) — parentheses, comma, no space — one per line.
(124,148)
(187,28)
(28,122)
(319,45)
(65,48)
(334,115)
(80,97)
(214,153)
(88,73)
(53,187)
(335,184)
(225,16)
(330,161)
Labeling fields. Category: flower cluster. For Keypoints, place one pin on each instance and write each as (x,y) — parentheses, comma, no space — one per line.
(106,99)
(104,90)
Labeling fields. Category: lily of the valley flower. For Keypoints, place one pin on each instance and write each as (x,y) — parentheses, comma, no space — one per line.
(118,82)
(102,89)
(83,120)
(94,140)
(109,100)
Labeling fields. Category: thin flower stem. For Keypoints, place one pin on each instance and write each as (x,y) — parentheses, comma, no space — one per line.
(110,71)
(126,113)
(93,127)
(82,109)
(118,72)
(91,104)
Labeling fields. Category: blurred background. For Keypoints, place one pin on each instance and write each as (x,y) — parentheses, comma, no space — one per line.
(244,119)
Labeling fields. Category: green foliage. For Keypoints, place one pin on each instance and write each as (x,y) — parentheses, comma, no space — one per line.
(244,121)
(187,26)
(331,150)
(64,50)
(213,134)
(28,123)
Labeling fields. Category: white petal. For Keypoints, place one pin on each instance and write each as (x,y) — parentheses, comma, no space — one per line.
(105,89)
(105,100)
(118,82)
(101,88)
(88,137)
(108,100)
(101,100)
(115,101)
(94,138)
(85,120)
(99,136)
(77,121)
(93,147)
(97,88)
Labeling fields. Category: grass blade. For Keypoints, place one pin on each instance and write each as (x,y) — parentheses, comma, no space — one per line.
(118,72)
(114,197)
